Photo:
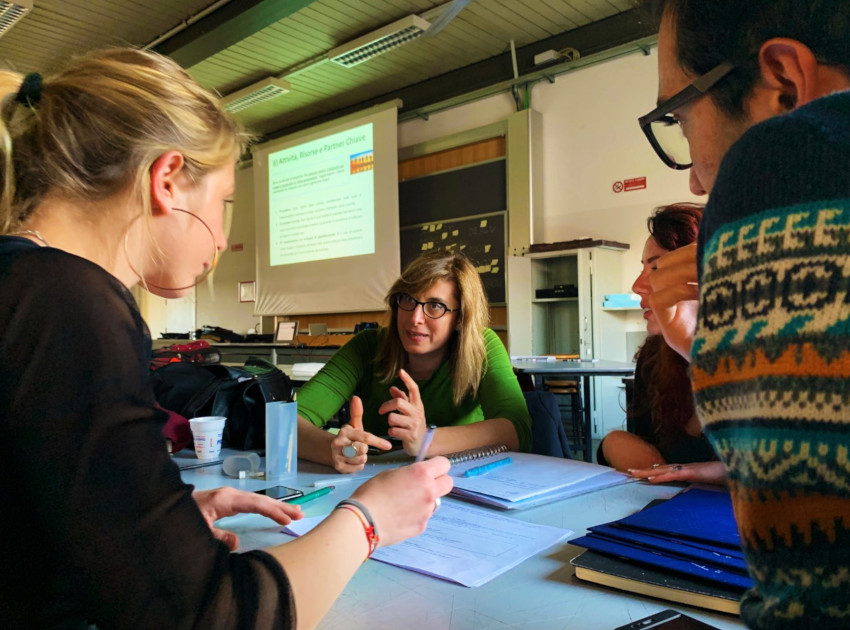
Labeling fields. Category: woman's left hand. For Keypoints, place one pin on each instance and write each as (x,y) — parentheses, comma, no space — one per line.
(407,414)
(701,472)
(225,501)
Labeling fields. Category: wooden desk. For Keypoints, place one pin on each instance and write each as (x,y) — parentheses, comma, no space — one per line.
(541,593)
(580,369)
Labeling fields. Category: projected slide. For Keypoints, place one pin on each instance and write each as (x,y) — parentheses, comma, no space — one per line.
(322,198)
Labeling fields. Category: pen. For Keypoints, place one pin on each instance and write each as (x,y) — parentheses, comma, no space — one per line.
(426,443)
(311,495)
(485,468)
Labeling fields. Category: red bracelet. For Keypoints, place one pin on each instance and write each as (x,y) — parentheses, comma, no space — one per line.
(368,525)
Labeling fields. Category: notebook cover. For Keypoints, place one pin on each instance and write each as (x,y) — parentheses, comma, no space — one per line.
(605,570)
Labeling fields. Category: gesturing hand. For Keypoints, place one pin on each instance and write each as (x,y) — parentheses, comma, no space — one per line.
(407,414)
(675,295)
(352,434)
(221,502)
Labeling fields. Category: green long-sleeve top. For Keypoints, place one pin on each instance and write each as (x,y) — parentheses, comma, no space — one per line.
(351,371)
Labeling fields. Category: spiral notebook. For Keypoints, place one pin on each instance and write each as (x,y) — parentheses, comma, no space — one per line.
(529,480)
(473,454)
(400,458)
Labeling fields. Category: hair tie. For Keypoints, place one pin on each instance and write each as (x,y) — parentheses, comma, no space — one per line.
(30,92)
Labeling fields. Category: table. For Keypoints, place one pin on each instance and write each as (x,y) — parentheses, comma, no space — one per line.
(583,370)
(542,593)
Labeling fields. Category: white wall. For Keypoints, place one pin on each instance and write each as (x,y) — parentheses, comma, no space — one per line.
(218,300)
(591,139)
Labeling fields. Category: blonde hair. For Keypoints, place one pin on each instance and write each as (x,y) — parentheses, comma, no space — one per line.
(94,130)
(466,353)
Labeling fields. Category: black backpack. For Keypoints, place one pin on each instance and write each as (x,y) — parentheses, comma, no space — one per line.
(238,393)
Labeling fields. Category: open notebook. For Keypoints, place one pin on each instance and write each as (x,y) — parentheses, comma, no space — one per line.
(528,480)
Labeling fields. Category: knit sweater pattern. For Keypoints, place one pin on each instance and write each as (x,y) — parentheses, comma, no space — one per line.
(771,359)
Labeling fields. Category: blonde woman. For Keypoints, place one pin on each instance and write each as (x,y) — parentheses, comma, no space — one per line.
(115,172)
(436,363)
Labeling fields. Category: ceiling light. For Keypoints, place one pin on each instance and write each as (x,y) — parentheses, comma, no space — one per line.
(378,42)
(12,12)
(259,92)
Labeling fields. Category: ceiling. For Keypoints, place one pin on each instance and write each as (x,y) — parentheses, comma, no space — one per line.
(230,44)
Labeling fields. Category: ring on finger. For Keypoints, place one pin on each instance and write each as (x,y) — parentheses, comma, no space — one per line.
(677,467)
(654,466)
(350,451)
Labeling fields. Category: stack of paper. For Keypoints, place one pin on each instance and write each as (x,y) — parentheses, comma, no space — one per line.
(692,538)
(531,480)
(462,544)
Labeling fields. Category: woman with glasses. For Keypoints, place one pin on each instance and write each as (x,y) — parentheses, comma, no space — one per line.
(436,363)
(666,443)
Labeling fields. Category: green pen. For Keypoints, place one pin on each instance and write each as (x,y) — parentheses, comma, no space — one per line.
(311,495)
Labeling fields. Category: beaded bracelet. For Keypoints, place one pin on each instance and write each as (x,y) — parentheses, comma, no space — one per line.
(368,523)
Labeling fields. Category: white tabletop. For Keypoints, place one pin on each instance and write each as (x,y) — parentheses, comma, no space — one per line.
(576,368)
(540,594)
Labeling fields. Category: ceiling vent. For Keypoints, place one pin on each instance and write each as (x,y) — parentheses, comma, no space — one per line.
(378,42)
(259,92)
(12,12)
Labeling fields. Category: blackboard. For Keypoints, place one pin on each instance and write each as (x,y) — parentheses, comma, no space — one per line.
(472,190)
(481,238)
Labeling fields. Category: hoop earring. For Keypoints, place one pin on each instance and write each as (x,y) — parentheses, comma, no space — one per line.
(200,279)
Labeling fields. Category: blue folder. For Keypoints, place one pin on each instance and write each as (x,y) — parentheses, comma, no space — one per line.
(684,566)
(700,552)
(699,515)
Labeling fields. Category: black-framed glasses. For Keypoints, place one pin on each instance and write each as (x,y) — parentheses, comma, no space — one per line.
(432,309)
(663,131)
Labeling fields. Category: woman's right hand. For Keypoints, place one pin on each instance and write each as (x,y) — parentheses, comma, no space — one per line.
(675,297)
(352,434)
(402,500)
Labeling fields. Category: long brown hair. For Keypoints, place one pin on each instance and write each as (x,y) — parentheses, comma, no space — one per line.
(669,400)
(466,353)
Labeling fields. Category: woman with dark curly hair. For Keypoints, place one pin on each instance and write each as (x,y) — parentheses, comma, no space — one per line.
(666,431)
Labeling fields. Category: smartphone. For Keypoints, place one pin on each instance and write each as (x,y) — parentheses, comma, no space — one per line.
(668,620)
(281,493)
(397,445)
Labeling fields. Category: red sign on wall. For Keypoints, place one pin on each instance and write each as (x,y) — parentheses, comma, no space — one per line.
(635,183)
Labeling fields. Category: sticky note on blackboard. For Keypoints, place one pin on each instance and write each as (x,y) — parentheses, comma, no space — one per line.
(487,249)
(455,232)
(432,227)
(494,270)
(445,235)
(483,223)
(495,261)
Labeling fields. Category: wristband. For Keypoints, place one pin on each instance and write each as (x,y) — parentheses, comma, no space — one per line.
(368,523)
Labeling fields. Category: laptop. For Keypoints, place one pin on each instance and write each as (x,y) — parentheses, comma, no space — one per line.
(285,334)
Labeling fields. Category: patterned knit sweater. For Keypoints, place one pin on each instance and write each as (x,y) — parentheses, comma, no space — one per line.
(771,359)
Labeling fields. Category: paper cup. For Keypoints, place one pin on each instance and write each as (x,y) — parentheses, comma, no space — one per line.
(207,432)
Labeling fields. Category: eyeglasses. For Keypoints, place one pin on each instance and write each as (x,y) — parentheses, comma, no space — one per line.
(434,310)
(663,131)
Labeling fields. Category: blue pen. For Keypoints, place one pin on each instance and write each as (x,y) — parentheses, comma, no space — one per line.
(485,468)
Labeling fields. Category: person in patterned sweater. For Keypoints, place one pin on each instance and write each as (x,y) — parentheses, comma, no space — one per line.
(760,91)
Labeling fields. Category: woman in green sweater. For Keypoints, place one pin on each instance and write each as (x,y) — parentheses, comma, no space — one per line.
(436,363)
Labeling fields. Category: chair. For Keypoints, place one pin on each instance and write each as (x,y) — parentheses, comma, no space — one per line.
(569,401)
(547,430)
